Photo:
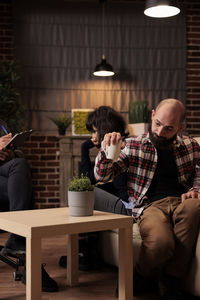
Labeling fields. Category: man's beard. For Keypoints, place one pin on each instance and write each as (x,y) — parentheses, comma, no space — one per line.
(161,142)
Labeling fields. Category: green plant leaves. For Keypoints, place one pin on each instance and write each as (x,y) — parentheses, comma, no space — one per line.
(61,121)
(80,184)
(11,107)
(138,112)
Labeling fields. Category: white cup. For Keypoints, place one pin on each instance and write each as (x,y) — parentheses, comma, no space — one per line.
(113,151)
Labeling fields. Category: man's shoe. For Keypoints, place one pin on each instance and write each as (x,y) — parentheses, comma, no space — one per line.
(63,261)
(49,285)
(88,256)
(170,288)
(15,245)
(83,265)
(140,284)
(143,284)
(169,295)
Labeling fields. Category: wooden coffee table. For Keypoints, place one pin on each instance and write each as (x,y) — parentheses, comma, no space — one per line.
(40,223)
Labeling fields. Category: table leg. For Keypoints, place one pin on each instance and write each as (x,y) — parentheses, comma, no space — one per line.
(33,269)
(72,260)
(125,288)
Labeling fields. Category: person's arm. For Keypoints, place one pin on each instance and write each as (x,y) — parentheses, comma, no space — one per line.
(107,169)
(194,192)
(6,154)
(87,167)
(5,137)
(196,155)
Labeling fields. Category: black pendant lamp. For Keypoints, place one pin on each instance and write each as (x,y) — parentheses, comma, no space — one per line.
(103,69)
(161,8)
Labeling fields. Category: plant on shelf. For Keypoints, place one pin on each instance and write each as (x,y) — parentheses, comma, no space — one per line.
(138,117)
(138,112)
(62,121)
(11,106)
(80,196)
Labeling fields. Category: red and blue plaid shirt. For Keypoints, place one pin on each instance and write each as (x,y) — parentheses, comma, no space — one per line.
(139,159)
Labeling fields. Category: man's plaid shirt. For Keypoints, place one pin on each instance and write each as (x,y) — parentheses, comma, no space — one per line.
(139,159)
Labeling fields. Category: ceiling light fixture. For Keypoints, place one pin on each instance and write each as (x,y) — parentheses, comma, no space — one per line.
(161,8)
(103,69)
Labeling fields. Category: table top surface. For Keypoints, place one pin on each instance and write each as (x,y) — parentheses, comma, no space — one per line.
(28,221)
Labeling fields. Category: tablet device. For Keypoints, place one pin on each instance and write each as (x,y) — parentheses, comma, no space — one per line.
(18,139)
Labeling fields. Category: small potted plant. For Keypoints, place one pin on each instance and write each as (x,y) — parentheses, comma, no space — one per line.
(62,121)
(138,117)
(80,196)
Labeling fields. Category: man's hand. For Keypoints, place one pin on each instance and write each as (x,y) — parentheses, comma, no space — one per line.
(190,194)
(112,138)
(4,140)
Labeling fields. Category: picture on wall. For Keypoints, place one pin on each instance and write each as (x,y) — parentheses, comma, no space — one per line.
(79,116)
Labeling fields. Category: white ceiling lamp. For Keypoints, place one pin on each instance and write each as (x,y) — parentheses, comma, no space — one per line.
(161,8)
(103,69)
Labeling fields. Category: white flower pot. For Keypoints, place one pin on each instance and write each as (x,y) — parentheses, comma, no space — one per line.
(136,129)
(81,203)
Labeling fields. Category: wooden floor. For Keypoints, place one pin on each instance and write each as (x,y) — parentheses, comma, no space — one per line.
(94,285)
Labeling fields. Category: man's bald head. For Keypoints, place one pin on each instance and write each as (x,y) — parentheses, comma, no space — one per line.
(167,123)
(173,105)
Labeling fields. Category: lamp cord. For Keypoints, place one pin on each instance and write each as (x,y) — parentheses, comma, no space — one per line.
(103,28)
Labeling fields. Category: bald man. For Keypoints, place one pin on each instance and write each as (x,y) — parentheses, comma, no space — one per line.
(164,195)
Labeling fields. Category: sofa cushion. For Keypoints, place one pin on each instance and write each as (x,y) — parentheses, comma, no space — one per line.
(108,242)
(193,278)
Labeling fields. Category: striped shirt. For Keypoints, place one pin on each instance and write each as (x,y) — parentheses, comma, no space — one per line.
(139,159)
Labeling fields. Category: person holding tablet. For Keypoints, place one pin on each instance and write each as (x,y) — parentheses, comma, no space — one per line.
(16,194)
(15,182)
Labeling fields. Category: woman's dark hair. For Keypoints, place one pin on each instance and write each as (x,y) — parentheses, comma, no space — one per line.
(105,119)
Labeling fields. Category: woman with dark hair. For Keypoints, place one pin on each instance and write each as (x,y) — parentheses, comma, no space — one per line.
(99,122)
(104,120)
(109,197)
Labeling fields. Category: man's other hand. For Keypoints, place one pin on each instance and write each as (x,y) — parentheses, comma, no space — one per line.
(190,194)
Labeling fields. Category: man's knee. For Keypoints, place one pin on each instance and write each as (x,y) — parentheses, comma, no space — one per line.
(157,236)
(190,208)
(159,242)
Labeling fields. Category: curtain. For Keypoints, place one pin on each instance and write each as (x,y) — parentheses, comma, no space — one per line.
(59,43)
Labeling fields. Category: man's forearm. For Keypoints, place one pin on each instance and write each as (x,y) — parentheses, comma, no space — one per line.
(103,170)
(196,181)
